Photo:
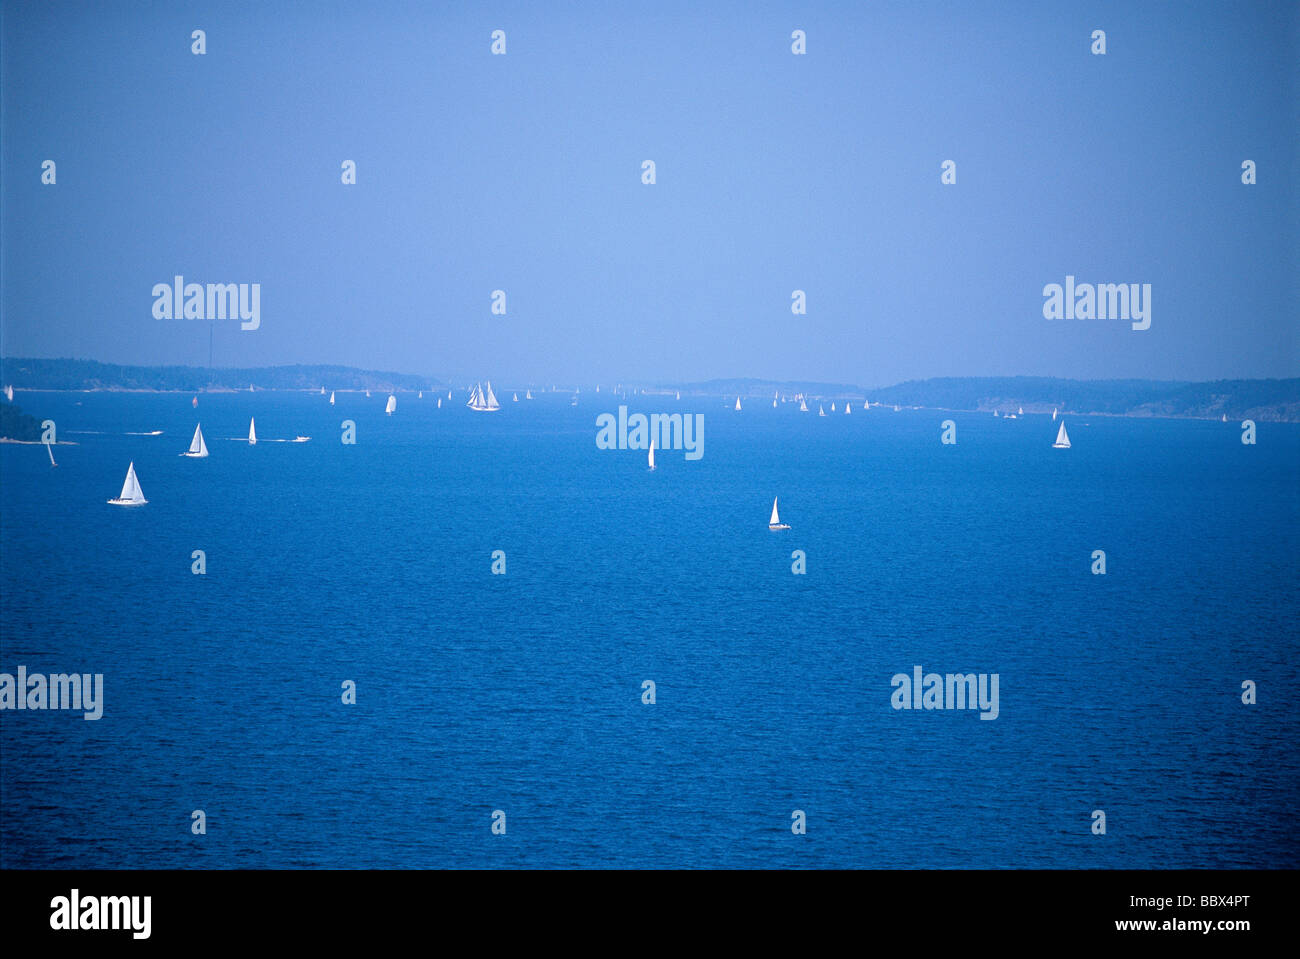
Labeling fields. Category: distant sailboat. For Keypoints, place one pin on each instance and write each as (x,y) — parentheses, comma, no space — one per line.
(1022,411)
(737,404)
(775,521)
(131,494)
(1062,438)
(440,402)
(848,408)
(652,452)
(821,410)
(49,448)
(516,397)
(995,412)
(1225,417)
(250,387)
(895,408)
(391,405)
(322,391)
(449,394)
(803,407)
(528,395)
(252,432)
(1053,414)
(481,402)
(331,397)
(195,403)
(367,394)
(420,395)
(9,393)
(198,448)
(832,406)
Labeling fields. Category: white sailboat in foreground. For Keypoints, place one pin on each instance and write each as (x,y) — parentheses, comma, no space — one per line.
(131,494)
(775,521)
(483,403)
(391,405)
(252,432)
(1062,438)
(198,448)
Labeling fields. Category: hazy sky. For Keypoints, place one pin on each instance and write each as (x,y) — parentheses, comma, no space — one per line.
(775,172)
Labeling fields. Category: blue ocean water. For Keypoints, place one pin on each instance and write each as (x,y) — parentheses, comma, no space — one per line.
(522,692)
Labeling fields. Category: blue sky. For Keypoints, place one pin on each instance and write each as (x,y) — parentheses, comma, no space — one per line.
(775,172)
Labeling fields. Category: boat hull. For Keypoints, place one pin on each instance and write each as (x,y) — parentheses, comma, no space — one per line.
(777,526)
(126,502)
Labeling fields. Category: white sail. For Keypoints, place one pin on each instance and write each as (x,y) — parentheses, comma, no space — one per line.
(391,405)
(774,404)
(331,397)
(440,402)
(1053,414)
(516,399)
(1062,438)
(1022,411)
(449,394)
(9,393)
(679,393)
(652,452)
(367,394)
(492,403)
(198,448)
(737,404)
(775,521)
(473,402)
(821,410)
(252,432)
(322,391)
(131,495)
(528,395)
(848,407)
(420,395)
(803,407)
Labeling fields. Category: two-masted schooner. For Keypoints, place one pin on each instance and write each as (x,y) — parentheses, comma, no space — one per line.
(482,402)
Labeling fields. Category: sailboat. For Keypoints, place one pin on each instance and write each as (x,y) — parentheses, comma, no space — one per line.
(774,404)
(679,393)
(832,406)
(1062,438)
(322,391)
(1053,414)
(775,521)
(895,407)
(483,403)
(420,395)
(198,448)
(449,394)
(9,393)
(331,397)
(252,432)
(821,410)
(1021,411)
(528,395)
(131,494)
(440,402)
(848,408)
(737,404)
(516,397)
(1225,417)
(195,403)
(367,394)
(391,405)
(49,448)
(652,452)
(803,407)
